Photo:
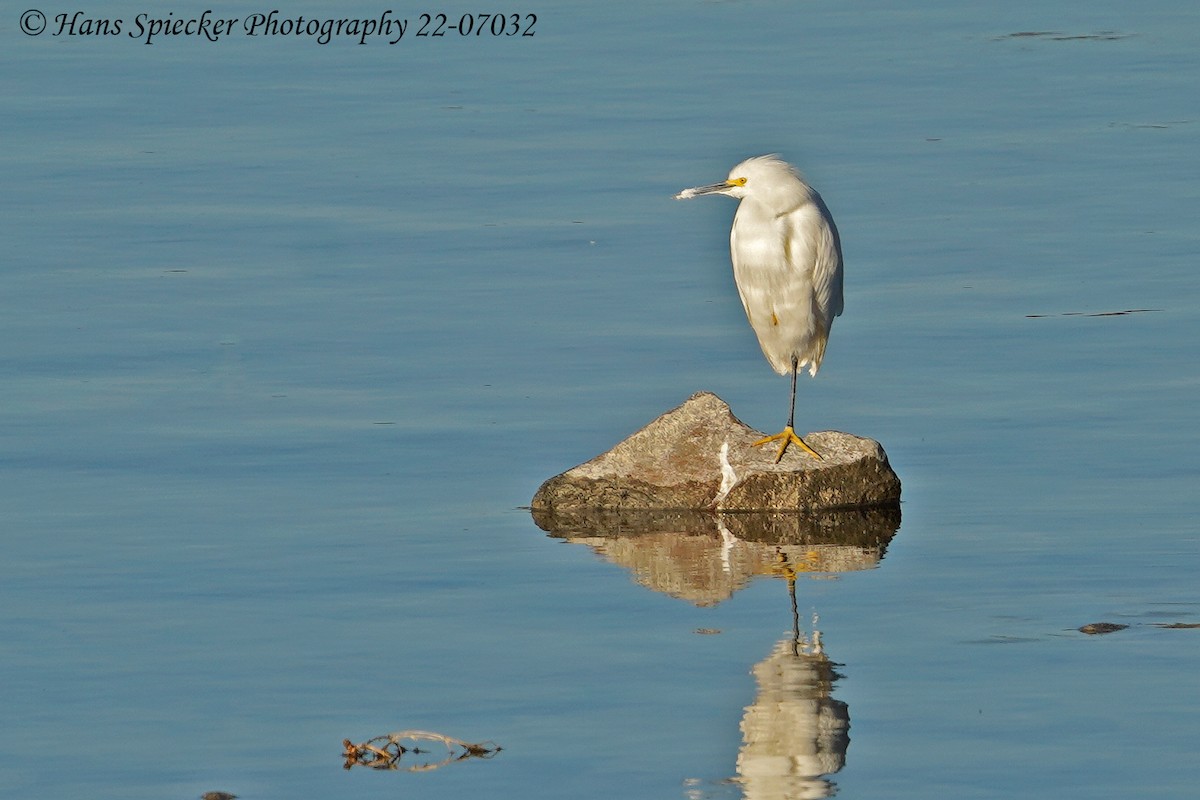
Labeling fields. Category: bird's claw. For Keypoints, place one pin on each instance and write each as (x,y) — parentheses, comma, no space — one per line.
(785,437)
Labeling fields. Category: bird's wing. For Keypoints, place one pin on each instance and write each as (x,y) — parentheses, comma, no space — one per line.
(827,264)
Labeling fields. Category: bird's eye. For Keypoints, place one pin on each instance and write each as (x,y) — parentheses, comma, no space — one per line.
(736,181)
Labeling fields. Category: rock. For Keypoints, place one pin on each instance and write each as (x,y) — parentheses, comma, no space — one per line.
(700,457)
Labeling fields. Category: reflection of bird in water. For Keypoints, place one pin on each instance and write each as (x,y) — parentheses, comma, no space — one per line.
(796,733)
(787,263)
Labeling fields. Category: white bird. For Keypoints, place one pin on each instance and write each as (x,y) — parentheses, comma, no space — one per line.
(787,263)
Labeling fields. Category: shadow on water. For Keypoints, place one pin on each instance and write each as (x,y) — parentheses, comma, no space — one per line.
(795,734)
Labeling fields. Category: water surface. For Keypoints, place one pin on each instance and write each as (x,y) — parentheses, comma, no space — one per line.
(291,333)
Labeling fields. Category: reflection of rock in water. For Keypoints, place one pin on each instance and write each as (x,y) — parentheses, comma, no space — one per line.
(795,732)
(693,567)
(705,558)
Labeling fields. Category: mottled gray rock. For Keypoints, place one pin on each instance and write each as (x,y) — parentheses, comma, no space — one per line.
(700,457)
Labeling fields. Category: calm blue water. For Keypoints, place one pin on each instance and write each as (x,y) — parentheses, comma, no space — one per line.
(290,333)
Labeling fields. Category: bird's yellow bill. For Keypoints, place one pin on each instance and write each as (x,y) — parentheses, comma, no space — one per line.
(785,437)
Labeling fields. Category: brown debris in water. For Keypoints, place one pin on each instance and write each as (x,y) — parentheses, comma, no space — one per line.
(386,752)
(1096,628)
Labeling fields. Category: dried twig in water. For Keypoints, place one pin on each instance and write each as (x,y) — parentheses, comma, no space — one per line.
(385,752)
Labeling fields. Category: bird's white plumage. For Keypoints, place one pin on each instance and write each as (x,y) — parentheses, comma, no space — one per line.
(787,263)
(787,260)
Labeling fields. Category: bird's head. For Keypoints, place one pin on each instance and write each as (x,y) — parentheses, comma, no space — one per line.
(761,176)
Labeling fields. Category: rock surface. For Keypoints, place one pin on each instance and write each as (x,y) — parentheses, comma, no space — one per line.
(699,456)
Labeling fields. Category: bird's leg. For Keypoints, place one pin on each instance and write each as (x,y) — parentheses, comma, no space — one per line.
(788,435)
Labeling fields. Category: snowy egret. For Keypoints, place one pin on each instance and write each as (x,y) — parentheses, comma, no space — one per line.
(787,264)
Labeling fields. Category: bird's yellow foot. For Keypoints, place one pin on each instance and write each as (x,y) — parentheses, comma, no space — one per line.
(785,437)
